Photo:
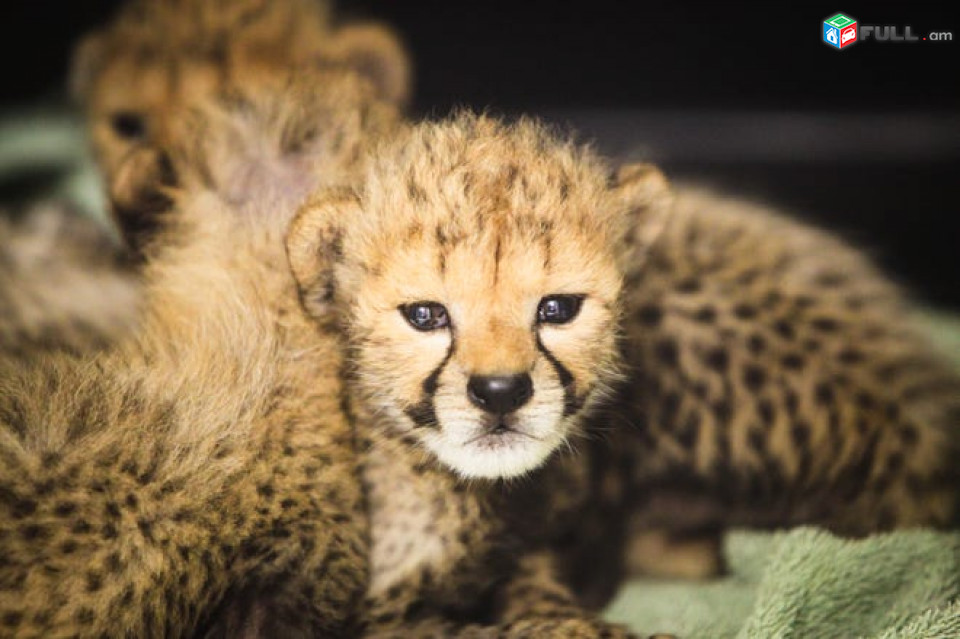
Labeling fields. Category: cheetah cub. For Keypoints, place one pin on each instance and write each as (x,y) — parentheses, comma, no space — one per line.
(475,275)
(204,459)
(562,375)
(66,283)
(140,75)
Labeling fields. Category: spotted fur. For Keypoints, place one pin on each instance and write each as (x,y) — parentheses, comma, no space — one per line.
(203,460)
(778,379)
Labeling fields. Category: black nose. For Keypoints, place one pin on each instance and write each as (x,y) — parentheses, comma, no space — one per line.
(500,394)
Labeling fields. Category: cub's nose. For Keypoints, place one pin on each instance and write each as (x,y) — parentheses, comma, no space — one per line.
(500,394)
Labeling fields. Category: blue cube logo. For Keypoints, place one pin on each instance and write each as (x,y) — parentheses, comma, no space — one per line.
(840,31)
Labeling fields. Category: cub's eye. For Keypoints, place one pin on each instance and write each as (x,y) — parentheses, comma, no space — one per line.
(426,316)
(128,125)
(559,309)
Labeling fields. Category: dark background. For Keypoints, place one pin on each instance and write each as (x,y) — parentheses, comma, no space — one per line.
(865,141)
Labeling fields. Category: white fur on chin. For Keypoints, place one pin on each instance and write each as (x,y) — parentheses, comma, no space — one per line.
(503,456)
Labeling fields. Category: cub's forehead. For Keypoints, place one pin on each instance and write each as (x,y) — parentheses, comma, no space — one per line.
(478,205)
(474,176)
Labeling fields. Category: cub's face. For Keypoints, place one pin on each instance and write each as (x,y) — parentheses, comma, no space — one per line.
(487,346)
(134,101)
(480,291)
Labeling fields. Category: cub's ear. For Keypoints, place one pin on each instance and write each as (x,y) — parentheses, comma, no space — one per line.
(377,53)
(141,195)
(314,245)
(645,194)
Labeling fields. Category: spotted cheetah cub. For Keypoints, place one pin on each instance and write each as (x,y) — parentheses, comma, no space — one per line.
(202,461)
(776,379)
(643,368)
(137,77)
(475,274)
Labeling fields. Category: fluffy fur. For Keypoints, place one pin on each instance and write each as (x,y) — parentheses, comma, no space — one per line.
(203,460)
(286,134)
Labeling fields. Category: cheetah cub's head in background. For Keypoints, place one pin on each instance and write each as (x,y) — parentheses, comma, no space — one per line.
(478,274)
(139,75)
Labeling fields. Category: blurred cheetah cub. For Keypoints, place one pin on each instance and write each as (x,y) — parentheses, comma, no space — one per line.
(203,460)
(776,379)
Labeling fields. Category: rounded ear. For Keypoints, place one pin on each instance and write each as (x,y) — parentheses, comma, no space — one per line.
(85,64)
(377,53)
(141,192)
(645,194)
(314,245)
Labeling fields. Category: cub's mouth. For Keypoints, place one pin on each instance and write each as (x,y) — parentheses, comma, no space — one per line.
(500,433)
(496,446)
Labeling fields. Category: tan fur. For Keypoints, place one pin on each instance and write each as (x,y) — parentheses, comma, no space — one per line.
(201,461)
(486,220)
(64,283)
(141,74)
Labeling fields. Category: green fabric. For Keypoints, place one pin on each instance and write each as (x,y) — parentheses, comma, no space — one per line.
(944,330)
(52,137)
(808,583)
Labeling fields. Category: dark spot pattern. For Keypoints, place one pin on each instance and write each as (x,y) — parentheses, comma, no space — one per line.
(717,359)
(754,377)
(650,315)
(666,351)
(705,315)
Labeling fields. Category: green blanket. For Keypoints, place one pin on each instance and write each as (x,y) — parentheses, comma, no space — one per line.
(807,583)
